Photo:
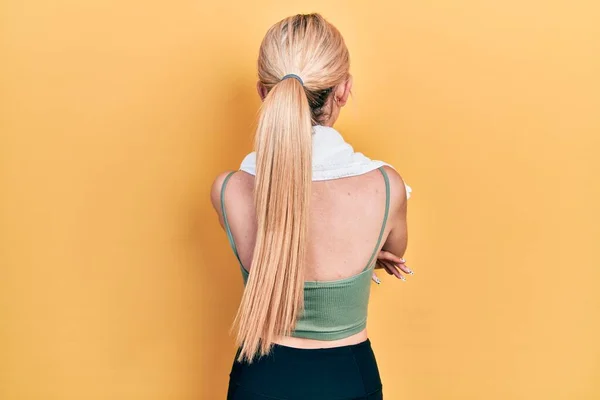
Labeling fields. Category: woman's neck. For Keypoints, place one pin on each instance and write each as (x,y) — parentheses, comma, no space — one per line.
(328,122)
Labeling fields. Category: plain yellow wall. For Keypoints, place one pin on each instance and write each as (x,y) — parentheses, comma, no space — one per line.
(117,283)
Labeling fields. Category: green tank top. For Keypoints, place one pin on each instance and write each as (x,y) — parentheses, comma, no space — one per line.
(332,309)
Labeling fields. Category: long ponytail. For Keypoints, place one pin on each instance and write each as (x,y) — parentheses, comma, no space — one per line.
(274,295)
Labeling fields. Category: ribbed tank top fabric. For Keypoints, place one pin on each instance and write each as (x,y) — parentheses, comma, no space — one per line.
(332,309)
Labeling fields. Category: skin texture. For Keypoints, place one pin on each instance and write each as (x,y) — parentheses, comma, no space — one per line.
(345,219)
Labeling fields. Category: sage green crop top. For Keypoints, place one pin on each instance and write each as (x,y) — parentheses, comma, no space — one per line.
(332,309)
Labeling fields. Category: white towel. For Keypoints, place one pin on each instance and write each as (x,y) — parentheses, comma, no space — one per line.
(332,158)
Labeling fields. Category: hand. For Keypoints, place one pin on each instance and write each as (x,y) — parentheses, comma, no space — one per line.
(392,264)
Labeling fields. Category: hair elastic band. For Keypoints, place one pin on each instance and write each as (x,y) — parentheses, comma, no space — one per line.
(295,77)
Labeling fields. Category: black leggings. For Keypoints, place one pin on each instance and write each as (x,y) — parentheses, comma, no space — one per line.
(339,373)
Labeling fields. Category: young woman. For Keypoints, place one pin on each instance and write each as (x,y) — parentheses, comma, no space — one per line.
(307,219)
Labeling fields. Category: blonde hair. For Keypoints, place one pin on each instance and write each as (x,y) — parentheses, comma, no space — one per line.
(313,49)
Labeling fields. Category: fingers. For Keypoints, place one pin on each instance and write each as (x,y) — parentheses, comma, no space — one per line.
(401,262)
(392,264)
(392,269)
(396,271)
(386,255)
(375,278)
(389,267)
(405,268)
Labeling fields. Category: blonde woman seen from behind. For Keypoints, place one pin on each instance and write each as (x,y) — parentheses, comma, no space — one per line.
(308,219)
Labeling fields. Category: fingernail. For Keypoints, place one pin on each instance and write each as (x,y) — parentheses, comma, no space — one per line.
(403,260)
(410,271)
(402,277)
(377,281)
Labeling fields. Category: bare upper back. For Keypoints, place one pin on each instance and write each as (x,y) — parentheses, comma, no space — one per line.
(346,217)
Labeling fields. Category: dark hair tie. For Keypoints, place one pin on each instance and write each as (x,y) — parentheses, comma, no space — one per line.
(294,76)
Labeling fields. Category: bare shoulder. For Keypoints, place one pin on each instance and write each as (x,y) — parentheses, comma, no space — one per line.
(398,195)
(240,184)
(216,188)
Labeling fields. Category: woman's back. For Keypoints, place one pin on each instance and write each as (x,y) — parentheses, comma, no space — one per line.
(346,217)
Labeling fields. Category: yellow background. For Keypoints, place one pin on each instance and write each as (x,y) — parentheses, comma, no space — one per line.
(117,283)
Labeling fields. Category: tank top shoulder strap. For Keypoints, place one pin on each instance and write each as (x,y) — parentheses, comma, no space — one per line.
(225,222)
(385,217)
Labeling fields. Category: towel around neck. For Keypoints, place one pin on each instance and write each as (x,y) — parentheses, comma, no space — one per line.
(332,158)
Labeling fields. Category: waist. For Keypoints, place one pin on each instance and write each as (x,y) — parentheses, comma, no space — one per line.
(308,343)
